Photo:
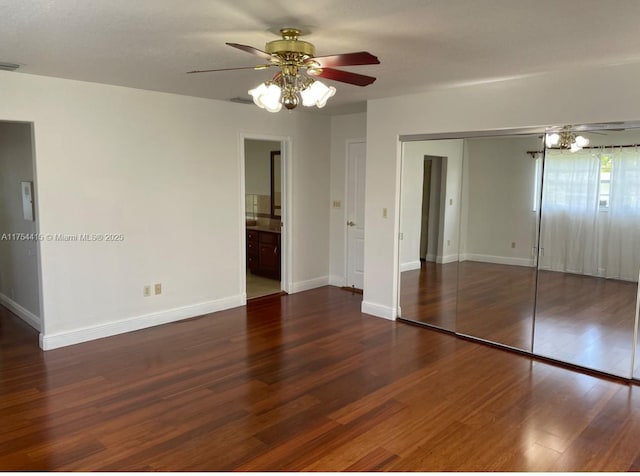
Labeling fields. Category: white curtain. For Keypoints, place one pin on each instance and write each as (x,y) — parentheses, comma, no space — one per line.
(622,255)
(568,235)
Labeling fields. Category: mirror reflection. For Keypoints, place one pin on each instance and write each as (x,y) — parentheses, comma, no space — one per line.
(590,253)
(529,247)
(497,274)
(429,223)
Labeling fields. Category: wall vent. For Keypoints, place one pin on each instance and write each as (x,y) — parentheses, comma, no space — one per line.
(8,66)
(241,100)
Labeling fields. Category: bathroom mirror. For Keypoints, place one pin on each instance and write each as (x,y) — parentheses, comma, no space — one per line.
(276,188)
(498,234)
(590,253)
(429,223)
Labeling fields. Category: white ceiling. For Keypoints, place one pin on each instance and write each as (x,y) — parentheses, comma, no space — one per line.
(150,44)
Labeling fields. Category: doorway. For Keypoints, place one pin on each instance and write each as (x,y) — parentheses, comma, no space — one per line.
(19,246)
(431,208)
(264,204)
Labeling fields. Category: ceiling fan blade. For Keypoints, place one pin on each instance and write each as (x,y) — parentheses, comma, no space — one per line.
(252,50)
(346,77)
(347,59)
(259,67)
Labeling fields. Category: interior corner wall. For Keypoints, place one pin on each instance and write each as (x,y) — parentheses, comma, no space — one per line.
(161,174)
(604,94)
(343,129)
(19,289)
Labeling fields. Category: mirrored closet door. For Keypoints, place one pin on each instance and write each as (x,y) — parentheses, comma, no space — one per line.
(429,227)
(497,269)
(530,247)
(590,253)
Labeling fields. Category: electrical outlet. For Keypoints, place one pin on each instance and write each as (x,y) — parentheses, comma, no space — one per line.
(146,291)
(337,204)
(157,288)
(384,213)
(513,244)
(448,242)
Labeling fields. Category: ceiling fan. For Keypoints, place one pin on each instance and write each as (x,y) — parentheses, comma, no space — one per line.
(293,57)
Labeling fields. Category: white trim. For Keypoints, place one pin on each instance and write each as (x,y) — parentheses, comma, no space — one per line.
(337,281)
(300,286)
(410,266)
(24,314)
(378,310)
(528,262)
(84,334)
(447,259)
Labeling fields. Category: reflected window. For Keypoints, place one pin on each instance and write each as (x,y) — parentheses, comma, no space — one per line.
(605,182)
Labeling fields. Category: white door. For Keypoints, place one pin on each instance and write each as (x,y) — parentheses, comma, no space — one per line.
(356,161)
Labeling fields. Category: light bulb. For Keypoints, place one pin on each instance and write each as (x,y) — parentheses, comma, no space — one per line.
(267,97)
(575,147)
(317,94)
(552,139)
(582,141)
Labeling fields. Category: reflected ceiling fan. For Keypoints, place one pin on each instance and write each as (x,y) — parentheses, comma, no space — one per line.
(297,66)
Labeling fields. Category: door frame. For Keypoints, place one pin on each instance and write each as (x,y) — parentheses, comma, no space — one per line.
(286,146)
(345,235)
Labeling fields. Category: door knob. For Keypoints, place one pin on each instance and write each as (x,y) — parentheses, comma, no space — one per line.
(350,223)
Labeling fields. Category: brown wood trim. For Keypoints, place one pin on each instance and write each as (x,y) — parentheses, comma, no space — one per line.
(267,297)
(352,290)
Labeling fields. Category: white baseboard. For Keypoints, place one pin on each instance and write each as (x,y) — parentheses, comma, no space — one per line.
(300,286)
(410,266)
(24,314)
(378,310)
(498,259)
(338,281)
(447,259)
(76,336)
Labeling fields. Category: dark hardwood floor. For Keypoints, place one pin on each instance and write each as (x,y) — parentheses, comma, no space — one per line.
(303,382)
(581,320)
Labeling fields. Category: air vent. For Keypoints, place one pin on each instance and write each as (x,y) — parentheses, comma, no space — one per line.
(241,100)
(8,66)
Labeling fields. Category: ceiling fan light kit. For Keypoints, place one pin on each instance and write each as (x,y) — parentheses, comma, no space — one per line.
(566,139)
(293,84)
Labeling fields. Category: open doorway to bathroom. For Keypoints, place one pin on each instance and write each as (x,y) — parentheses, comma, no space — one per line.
(19,266)
(263,217)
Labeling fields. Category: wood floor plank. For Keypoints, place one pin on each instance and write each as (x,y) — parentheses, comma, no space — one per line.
(302,382)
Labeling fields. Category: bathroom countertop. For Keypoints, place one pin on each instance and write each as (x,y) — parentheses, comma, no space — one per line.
(262,228)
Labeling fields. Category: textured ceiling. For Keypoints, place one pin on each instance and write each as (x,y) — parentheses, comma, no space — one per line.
(150,44)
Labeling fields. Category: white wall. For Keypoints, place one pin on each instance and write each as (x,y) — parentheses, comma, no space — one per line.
(567,97)
(19,288)
(163,170)
(257,169)
(500,180)
(343,128)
